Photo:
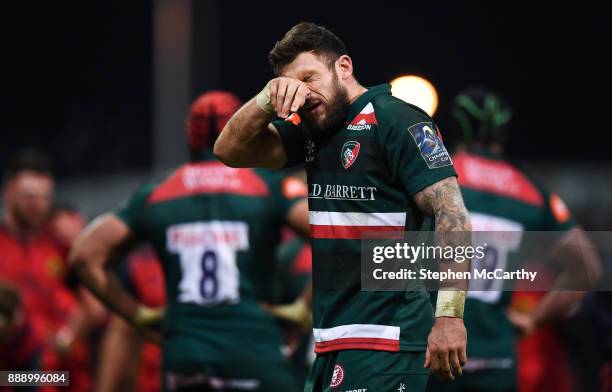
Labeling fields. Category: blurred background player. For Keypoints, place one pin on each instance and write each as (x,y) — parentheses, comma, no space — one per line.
(19,347)
(33,261)
(502,198)
(294,258)
(126,361)
(66,223)
(214,229)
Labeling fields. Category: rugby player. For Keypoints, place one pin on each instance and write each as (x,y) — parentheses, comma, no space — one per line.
(214,229)
(294,258)
(502,198)
(33,261)
(125,361)
(373,163)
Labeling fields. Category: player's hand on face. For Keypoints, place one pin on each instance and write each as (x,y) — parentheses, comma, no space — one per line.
(446,348)
(287,95)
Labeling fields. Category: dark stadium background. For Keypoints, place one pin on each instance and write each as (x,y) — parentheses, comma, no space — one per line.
(79,79)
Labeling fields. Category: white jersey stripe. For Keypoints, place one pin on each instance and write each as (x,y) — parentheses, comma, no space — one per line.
(356,331)
(326,218)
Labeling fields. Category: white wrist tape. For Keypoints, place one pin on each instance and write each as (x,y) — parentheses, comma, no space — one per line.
(263,99)
(450,303)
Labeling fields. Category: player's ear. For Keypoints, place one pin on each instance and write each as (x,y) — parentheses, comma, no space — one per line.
(344,67)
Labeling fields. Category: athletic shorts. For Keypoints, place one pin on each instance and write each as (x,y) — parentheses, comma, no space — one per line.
(238,376)
(368,371)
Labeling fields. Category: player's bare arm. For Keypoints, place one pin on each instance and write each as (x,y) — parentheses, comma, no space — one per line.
(443,201)
(299,312)
(581,268)
(298,220)
(118,357)
(446,344)
(94,249)
(248,139)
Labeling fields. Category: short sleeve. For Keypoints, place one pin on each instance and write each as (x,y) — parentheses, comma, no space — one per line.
(413,148)
(557,215)
(293,140)
(133,211)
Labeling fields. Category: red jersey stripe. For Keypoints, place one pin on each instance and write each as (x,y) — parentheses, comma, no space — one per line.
(353,232)
(378,344)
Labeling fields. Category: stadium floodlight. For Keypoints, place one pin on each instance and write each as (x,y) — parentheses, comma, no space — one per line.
(417,91)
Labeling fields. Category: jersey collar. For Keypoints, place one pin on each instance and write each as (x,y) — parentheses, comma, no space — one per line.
(356,107)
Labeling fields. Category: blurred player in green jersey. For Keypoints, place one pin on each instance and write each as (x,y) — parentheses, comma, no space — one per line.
(502,198)
(214,229)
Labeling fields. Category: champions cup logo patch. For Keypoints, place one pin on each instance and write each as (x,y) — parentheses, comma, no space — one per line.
(349,153)
(337,376)
(430,145)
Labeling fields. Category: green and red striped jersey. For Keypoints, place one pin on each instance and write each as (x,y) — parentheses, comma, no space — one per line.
(362,179)
(500,198)
(215,229)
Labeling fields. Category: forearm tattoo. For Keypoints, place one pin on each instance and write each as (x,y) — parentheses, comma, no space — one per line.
(444,202)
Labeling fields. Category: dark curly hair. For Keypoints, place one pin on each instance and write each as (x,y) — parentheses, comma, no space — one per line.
(306,37)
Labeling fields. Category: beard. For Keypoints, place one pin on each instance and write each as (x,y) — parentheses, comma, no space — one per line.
(336,110)
(29,220)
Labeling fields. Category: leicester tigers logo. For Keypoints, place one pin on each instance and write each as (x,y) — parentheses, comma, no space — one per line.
(349,153)
(337,376)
